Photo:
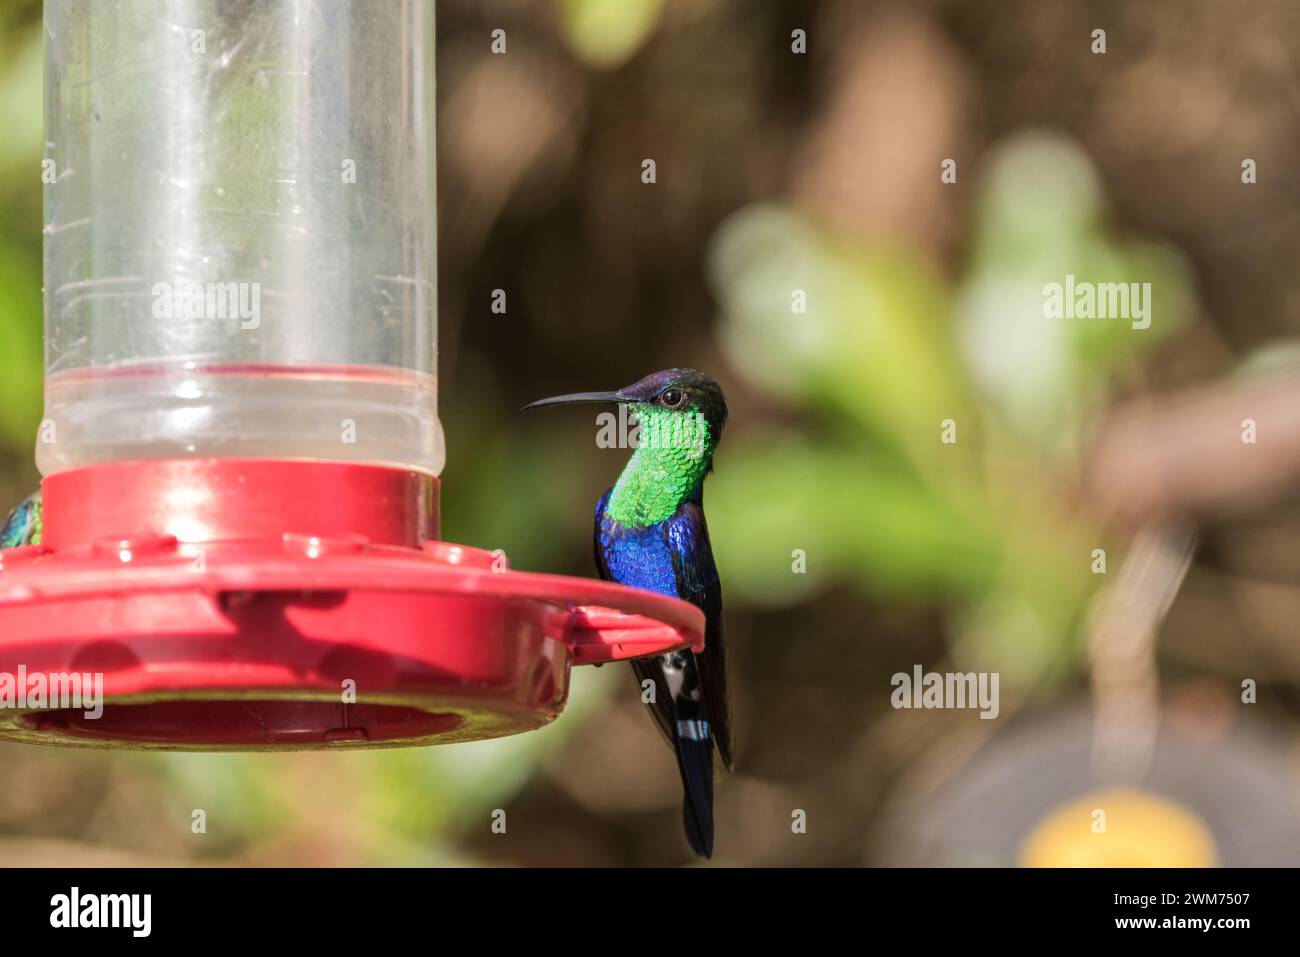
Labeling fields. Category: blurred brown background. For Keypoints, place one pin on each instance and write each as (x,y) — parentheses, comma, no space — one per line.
(780,171)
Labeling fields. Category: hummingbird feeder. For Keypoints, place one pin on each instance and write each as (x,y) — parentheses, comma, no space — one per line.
(241,441)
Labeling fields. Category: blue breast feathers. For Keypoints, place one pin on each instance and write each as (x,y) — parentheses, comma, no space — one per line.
(671,557)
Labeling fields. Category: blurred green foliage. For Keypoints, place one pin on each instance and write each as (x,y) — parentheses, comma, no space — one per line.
(1040,217)
(20,236)
(885,354)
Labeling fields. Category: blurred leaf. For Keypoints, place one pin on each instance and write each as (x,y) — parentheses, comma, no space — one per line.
(21,356)
(21,361)
(1038,222)
(1039,194)
(606,33)
(22,79)
(874,343)
(856,519)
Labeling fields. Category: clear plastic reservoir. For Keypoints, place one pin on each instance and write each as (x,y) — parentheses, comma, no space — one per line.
(240,235)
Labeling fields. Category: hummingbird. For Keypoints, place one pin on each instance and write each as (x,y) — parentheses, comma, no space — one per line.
(23,526)
(650,533)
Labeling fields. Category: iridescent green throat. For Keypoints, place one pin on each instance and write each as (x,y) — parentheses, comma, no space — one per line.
(673,453)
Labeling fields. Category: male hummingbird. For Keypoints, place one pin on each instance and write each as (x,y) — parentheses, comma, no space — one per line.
(23,526)
(650,533)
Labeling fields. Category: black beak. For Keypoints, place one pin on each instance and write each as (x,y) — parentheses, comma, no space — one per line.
(576,398)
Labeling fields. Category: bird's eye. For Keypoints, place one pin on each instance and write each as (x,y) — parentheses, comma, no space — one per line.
(672,398)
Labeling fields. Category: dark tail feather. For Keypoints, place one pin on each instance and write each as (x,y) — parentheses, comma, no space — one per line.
(694,747)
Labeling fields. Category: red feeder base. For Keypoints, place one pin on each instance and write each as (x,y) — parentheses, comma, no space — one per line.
(250,605)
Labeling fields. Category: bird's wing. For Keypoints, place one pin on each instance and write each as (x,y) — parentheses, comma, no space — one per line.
(687,535)
(602,567)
